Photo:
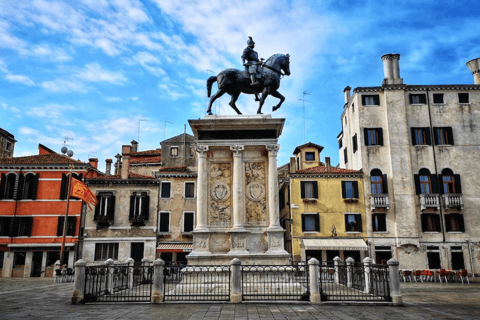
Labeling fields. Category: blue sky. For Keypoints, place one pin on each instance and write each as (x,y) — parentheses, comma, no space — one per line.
(90,69)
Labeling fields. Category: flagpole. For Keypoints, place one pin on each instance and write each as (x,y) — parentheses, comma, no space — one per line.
(62,250)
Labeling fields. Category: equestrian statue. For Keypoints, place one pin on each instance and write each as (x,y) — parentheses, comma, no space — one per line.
(257,77)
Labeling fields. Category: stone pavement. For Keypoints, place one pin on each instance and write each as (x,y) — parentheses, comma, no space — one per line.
(40,298)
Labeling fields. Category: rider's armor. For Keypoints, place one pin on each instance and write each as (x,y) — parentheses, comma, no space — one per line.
(252,61)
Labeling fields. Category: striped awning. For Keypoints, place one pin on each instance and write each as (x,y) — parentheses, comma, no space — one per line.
(175,247)
(335,244)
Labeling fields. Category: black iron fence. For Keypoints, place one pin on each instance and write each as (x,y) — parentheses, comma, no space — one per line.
(289,282)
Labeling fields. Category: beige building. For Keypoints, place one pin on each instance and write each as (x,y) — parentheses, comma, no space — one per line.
(7,144)
(419,148)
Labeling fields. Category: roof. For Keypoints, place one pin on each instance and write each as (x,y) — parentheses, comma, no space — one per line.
(308,144)
(419,87)
(154,152)
(156,159)
(177,169)
(335,244)
(6,133)
(321,169)
(131,175)
(175,247)
(175,138)
(147,156)
(51,158)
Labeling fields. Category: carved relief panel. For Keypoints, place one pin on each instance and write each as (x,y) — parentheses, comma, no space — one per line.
(255,193)
(220,203)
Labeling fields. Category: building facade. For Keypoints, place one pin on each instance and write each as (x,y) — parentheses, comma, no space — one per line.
(7,144)
(419,147)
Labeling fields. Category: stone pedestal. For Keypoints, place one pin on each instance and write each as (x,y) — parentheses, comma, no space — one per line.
(237,191)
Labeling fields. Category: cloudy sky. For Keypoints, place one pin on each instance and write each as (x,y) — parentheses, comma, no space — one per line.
(90,69)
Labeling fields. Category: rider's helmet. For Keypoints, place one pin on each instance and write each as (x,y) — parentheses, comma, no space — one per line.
(250,42)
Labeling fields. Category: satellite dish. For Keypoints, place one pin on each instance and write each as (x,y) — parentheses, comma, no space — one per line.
(70,153)
(64,149)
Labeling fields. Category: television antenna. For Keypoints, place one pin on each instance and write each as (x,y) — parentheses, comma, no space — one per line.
(165,129)
(304,121)
(139,120)
(90,152)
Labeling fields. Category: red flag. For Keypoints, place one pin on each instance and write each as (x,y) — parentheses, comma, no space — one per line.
(80,190)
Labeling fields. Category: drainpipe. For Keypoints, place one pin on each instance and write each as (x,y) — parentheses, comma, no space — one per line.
(442,224)
(471,259)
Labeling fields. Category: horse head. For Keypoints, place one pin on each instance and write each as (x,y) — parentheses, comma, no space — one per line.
(285,64)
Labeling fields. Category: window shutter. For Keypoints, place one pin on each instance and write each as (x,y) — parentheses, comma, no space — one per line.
(355,189)
(417,183)
(354,142)
(346,223)
(302,189)
(435,135)
(458,184)
(437,223)
(450,135)
(166,190)
(63,188)
(164,222)
(35,186)
(28,231)
(315,189)
(97,207)
(440,181)
(373,222)
(448,226)
(303,222)
(132,207)
(111,207)
(61,222)
(358,219)
(433,178)
(344,190)
(18,193)
(461,223)
(382,222)
(423,99)
(380,136)
(424,222)
(365,136)
(317,222)
(71,226)
(427,135)
(3,185)
(412,130)
(376,100)
(145,206)
(384,184)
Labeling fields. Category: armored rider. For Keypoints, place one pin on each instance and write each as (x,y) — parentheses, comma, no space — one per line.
(251,56)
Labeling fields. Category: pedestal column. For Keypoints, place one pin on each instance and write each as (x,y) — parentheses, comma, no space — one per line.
(202,191)
(238,190)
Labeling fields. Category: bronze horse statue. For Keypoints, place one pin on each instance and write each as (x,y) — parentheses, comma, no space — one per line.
(234,82)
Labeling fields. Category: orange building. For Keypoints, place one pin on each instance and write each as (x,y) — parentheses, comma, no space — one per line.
(33,197)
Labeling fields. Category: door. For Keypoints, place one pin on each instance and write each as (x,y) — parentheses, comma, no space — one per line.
(317,254)
(332,254)
(137,251)
(457,261)
(37,264)
(433,260)
(352,254)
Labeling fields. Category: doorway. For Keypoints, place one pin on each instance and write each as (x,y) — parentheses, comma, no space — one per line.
(457,260)
(37,264)
(332,254)
(137,251)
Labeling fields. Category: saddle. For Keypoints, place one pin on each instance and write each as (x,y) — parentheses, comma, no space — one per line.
(259,73)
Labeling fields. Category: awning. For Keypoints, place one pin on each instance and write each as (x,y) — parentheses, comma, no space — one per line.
(175,247)
(19,245)
(335,244)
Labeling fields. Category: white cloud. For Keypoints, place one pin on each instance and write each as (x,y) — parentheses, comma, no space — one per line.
(3,66)
(134,98)
(4,105)
(170,91)
(63,85)
(47,52)
(53,112)
(146,60)
(20,79)
(113,99)
(94,73)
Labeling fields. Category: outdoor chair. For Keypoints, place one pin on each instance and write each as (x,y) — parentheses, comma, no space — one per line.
(429,275)
(418,274)
(70,275)
(463,274)
(406,274)
(442,273)
(58,275)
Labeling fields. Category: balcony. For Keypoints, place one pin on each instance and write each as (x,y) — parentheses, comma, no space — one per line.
(103,220)
(431,200)
(453,201)
(379,201)
(138,220)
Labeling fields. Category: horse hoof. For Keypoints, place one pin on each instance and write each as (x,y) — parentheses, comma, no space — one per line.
(259,112)
(275,108)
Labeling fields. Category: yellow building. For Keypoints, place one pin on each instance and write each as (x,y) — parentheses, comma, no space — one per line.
(322,208)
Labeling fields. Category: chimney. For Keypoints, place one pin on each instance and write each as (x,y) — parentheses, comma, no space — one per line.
(328,166)
(474,66)
(93,162)
(126,150)
(108,167)
(292,165)
(346,91)
(118,164)
(391,69)
(134,145)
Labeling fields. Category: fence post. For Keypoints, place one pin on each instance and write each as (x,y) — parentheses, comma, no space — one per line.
(336,262)
(130,262)
(144,269)
(57,266)
(79,284)
(314,281)
(367,263)
(236,281)
(158,283)
(109,276)
(395,291)
(350,262)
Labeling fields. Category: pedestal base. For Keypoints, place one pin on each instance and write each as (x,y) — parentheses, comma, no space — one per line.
(258,259)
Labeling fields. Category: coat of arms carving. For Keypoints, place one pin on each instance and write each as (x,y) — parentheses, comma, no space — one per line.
(220,191)
(255,191)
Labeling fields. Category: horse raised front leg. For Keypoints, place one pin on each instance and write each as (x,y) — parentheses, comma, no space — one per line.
(276,94)
(262,100)
(217,95)
(232,102)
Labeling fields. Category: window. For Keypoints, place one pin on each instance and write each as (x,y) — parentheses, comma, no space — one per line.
(104,251)
(379,222)
(431,222)
(173,151)
(19,259)
(30,186)
(188,221)
(443,136)
(420,136)
(438,98)
(139,206)
(378,182)
(354,143)
(353,223)
(373,136)
(8,146)
(166,186)
(71,226)
(105,206)
(463,98)
(450,182)
(371,100)
(454,223)
(340,144)
(433,257)
(189,189)
(310,222)
(353,107)
(309,156)
(345,120)
(425,183)
(7,186)
(164,224)
(345,155)
(20,227)
(420,98)
(350,189)
(64,187)
(4,226)
(309,189)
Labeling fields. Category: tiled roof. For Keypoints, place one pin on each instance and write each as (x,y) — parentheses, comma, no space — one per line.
(333,170)
(52,158)
(131,175)
(178,169)
(156,159)
(154,152)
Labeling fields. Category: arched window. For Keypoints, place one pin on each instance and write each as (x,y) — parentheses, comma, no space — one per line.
(450,182)
(425,181)
(378,182)
(64,187)
(8,185)
(30,186)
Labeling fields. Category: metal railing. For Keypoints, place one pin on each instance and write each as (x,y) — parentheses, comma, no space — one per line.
(287,282)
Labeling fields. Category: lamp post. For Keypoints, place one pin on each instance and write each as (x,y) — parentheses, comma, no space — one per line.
(71,166)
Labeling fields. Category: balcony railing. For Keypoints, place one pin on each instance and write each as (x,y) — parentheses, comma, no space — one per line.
(431,200)
(453,201)
(379,201)
(138,220)
(103,220)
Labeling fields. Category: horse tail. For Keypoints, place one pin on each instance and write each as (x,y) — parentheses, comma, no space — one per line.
(210,82)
